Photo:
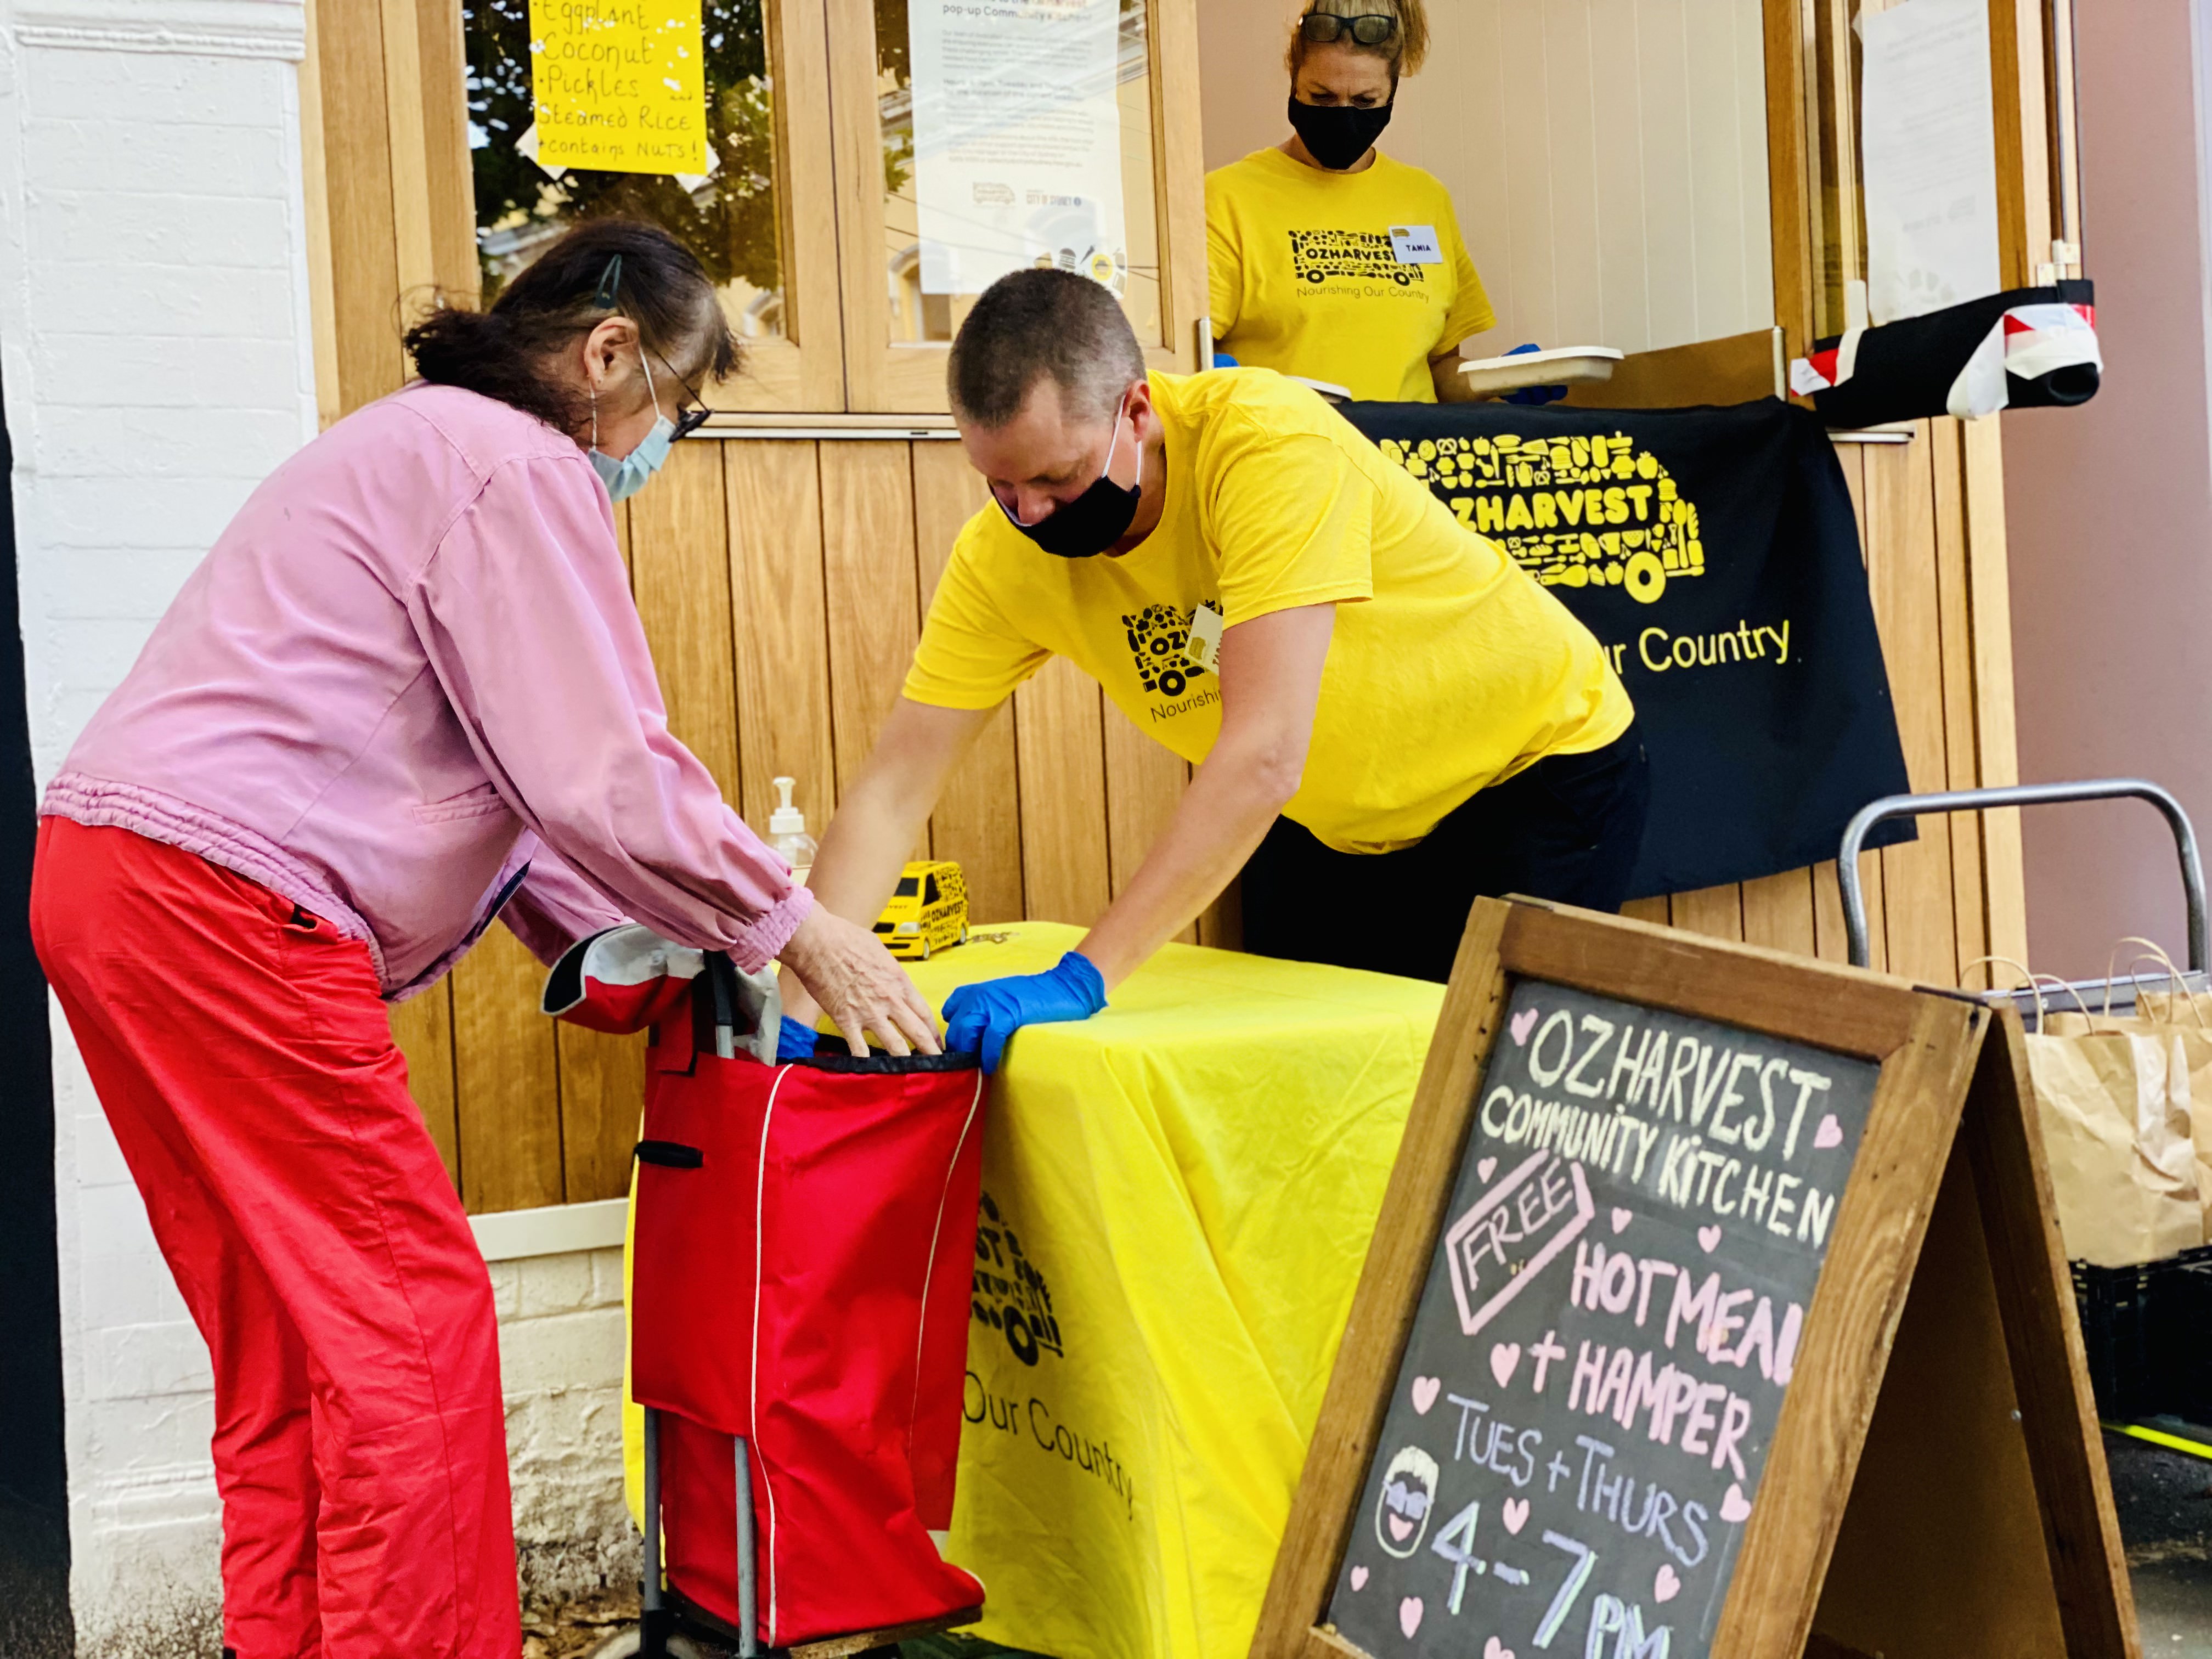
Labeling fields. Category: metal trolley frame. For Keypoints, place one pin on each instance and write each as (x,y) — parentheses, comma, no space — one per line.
(2122,989)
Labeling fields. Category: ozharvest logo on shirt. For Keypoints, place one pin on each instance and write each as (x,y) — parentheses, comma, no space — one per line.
(1573,512)
(1322,256)
(1159,640)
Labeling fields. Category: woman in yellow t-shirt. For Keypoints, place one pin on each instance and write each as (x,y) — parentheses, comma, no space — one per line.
(1328,259)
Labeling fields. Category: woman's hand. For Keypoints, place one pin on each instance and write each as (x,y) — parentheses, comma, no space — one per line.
(860,985)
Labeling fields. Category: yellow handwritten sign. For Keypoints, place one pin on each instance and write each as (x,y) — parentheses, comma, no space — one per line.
(620,85)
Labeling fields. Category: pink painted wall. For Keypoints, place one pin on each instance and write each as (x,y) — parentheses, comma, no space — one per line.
(2109,508)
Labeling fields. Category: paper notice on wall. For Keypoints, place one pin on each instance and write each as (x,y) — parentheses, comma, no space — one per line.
(1017,139)
(1929,144)
(620,86)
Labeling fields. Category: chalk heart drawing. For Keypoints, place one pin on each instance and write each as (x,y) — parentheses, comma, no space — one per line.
(1425,1393)
(1515,1514)
(1359,1578)
(1494,1648)
(1485,1168)
(1734,1506)
(1621,1218)
(1522,1023)
(1505,1359)
(1710,1237)
(1830,1133)
(1666,1587)
(1409,1615)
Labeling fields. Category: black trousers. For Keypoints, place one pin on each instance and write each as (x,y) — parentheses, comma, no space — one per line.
(1567,829)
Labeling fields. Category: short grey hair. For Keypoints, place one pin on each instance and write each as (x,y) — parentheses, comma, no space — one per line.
(1031,325)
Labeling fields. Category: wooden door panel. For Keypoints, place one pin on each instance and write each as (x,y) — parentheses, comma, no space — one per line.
(1059,729)
(680,572)
(506,1080)
(776,577)
(978,819)
(875,604)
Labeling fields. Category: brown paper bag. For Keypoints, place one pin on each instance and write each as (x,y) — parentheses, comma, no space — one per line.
(2183,1013)
(2115,1110)
(2114,1107)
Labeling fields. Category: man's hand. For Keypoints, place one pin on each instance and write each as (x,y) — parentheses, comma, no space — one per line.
(860,985)
(1271,670)
(982,1016)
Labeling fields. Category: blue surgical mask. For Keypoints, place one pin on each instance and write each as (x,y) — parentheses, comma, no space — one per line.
(625,477)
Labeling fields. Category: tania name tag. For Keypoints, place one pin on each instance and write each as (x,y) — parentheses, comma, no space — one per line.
(1416,245)
(1204,650)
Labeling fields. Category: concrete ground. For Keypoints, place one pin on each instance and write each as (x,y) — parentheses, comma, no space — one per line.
(2165,1500)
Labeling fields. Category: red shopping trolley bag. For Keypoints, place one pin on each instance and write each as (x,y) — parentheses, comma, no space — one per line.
(804,1237)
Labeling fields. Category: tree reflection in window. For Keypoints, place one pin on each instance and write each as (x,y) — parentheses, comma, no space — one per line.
(729,219)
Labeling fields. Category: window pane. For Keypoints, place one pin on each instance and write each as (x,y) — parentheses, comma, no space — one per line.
(1035,148)
(907,887)
(729,219)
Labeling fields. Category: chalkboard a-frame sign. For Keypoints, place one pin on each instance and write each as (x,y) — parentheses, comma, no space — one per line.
(1717,1307)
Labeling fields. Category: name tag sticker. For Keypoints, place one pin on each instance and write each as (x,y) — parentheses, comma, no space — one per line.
(1416,245)
(1204,650)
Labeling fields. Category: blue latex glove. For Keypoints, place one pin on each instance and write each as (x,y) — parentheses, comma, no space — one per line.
(794,1042)
(1533,395)
(984,1015)
(1222,359)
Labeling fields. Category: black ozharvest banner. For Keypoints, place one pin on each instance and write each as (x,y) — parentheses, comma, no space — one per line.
(1715,554)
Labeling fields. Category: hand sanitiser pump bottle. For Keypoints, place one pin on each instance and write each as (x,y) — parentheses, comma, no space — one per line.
(787,832)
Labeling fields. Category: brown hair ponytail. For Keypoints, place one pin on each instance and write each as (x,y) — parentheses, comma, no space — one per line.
(505,353)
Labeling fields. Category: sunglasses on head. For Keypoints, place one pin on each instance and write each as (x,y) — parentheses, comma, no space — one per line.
(1322,28)
(688,421)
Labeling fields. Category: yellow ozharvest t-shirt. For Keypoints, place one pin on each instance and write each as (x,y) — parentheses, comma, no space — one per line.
(1355,278)
(1450,667)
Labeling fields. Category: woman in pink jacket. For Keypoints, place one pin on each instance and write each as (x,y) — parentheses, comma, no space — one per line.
(407,692)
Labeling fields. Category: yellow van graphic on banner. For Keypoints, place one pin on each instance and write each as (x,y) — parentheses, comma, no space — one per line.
(1574,512)
(620,86)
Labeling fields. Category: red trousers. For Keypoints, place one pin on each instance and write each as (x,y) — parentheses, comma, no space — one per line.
(246,1066)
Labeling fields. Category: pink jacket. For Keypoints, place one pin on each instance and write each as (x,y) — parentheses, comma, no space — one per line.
(409,668)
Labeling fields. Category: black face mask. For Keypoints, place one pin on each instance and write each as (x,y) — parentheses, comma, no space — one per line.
(1093,521)
(1337,135)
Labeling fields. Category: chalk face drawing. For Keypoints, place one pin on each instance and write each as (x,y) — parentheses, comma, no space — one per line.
(1409,1492)
(1582,1411)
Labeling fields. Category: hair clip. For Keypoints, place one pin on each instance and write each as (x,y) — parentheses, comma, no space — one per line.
(604,299)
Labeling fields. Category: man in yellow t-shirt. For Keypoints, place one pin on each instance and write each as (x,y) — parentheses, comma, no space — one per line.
(1397,709)
(1327,258)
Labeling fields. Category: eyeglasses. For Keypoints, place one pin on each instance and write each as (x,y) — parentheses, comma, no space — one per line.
(688,421)
(1323,28)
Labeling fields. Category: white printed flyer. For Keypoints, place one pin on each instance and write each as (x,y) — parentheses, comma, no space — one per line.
(1017,139)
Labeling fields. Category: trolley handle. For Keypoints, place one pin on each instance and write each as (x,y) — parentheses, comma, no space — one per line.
(2029,794)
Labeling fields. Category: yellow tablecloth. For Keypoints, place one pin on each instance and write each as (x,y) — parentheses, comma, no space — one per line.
(1183,1188)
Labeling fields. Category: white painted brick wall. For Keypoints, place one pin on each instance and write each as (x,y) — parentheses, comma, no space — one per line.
(155,354)
(560,1358)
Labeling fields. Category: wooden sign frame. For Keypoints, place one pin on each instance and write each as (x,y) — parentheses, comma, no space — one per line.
(1988,1439)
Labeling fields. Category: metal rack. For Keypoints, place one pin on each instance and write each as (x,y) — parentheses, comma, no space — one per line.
(2122,989)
